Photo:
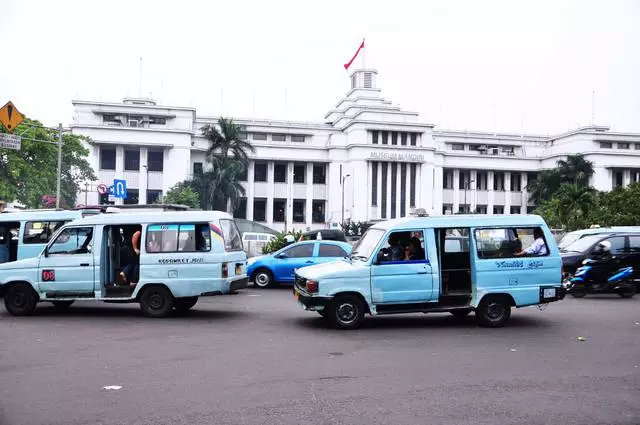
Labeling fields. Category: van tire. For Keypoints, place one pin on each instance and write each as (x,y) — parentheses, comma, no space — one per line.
(62,304)
(493,312)
(183,304)
(20,300)
(156,301)
(346,312)
(262,278)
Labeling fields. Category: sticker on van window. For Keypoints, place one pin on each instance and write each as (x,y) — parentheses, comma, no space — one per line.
(48,275)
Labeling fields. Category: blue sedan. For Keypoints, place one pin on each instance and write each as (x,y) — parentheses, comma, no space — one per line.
(280,266)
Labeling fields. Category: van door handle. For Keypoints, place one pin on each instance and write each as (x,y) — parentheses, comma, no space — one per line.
(84,264)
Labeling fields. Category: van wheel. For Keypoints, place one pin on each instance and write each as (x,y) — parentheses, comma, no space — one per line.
(156,301)
(62,304)
(184,304)
(262,279)
(345,312)
(20,300)
(493,312)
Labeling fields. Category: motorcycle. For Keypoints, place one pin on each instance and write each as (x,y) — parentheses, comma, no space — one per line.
(601,276)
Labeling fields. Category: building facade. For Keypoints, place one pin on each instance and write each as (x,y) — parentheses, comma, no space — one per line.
(367,160)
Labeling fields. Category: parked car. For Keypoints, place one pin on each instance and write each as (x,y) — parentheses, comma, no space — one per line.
(280,266)
(571,237)
(624,246)
(325,235)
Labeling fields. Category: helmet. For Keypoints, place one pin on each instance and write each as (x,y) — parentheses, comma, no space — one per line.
(602,248)
(289,239)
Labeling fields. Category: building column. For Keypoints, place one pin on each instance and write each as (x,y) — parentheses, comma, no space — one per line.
(524,181)
(438,188)
(270,183)
(507,192)
(398,188)
(626,180)
(407,190)
(308,205)
(602,179)
(389,206)
(379,204)
(250,189)
(473,184)
(142,191)
(456,191)
(490,201)
(288,212)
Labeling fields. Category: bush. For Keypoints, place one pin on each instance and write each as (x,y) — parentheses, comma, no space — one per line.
(279,242)
(355,228)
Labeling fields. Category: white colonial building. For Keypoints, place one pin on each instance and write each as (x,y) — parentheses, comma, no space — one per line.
(367,160)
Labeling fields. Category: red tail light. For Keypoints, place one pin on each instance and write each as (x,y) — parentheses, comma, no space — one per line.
(225,270)
(312,286)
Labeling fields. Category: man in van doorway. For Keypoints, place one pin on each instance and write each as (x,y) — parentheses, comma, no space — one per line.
(538,247)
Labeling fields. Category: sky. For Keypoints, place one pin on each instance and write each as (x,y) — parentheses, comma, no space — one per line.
(538,67)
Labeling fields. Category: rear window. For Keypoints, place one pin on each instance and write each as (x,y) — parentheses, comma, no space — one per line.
(185,237)
(231,235)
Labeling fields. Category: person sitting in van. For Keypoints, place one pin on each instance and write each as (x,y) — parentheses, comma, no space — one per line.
(395,251)
(129,273)
(413,251)
(538,247)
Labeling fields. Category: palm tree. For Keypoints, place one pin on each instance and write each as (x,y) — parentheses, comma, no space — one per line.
(575,205)
(227,140)
(575,169)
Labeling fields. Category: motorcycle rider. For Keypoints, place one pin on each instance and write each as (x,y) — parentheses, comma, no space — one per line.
(604,262)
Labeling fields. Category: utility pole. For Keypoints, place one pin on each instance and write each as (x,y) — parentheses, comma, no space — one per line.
(59,165)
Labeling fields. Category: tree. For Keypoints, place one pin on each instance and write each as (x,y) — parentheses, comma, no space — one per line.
(30,173)
(228,141)
(620,207)
(182,194)
(574,169)
(576,206)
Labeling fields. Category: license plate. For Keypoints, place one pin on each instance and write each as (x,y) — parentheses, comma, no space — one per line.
(549,293)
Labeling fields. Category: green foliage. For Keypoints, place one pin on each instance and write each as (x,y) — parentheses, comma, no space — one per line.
(182,194)
(620,207)
(279,242)
(29,174)
(574,170)
(355,228)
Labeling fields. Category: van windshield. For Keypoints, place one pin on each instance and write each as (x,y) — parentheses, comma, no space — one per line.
(367,244)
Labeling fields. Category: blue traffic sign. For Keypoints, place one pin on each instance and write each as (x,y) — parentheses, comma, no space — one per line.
(119,189)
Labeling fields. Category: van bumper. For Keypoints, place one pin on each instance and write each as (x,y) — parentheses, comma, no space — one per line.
(560,293)
(311,302)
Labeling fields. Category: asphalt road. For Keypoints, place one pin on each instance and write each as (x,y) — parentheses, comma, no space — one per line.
(256,358)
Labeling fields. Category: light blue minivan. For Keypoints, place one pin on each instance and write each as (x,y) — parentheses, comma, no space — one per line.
(455,264)
(163,260)
(24,234)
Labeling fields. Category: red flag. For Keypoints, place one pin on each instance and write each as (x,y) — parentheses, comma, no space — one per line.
(348,64)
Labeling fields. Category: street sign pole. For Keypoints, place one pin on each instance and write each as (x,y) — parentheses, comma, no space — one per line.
(59,165)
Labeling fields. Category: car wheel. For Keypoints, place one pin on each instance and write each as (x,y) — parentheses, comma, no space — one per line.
(62,304)
(184,304)
(262,279)
(20,300)
(156,301)
(346,312)
(493,312)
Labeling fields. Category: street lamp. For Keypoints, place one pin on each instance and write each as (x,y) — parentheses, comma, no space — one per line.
(343,179)
(467,186)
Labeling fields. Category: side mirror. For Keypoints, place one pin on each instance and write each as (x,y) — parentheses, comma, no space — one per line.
(46,252)
(282,255)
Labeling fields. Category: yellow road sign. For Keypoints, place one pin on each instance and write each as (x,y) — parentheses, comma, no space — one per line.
(10,117)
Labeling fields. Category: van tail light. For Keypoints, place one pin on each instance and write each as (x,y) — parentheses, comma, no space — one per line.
(312,285)
(225,270)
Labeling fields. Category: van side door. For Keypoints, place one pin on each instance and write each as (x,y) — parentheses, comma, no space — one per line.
(67,266)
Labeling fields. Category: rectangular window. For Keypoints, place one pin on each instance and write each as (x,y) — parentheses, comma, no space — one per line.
(464,180)
(638,146)
(280,172)
(635,176)
(241,209)
(298,210)
(447,179)
(259,136)
(279,137)
(383,200)
(457,147)
(481,180)
(135,121)
(414,139)
(299,173)
(606,145)
(157,120)
(72,241)
(464,208)
(374,137)
(394,178)
(318,211)
(40,232)
(514,209)
(259,209)
(297,138)
(498,209)
(155,160)
(319,174)
(618,179)
(447,209)
(231,235)
(412,185)
(107,159)
(508,150)
(385,137)
(394,137)
(403,138)
(197,168)
(111,119)
(260,172)
(132,160)
(153,196)
(623,145)
(374,184)
(506,242)
(279,209)
(481,209)
(532,176)
(498,181)
(132,197)
(516,185)
(403,246)
(368,78)
(403,190)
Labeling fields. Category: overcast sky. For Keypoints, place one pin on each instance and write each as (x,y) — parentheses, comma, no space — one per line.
(482,65)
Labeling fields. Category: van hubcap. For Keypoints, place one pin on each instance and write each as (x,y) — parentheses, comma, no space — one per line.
(18,299)
(347,312)
(156,301)
(495,311)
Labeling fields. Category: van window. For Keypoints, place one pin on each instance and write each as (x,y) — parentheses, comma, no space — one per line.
(74,240)
(39,232)
(634,244)
(506,242)
(403,246)
(232,240)
(178,238)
